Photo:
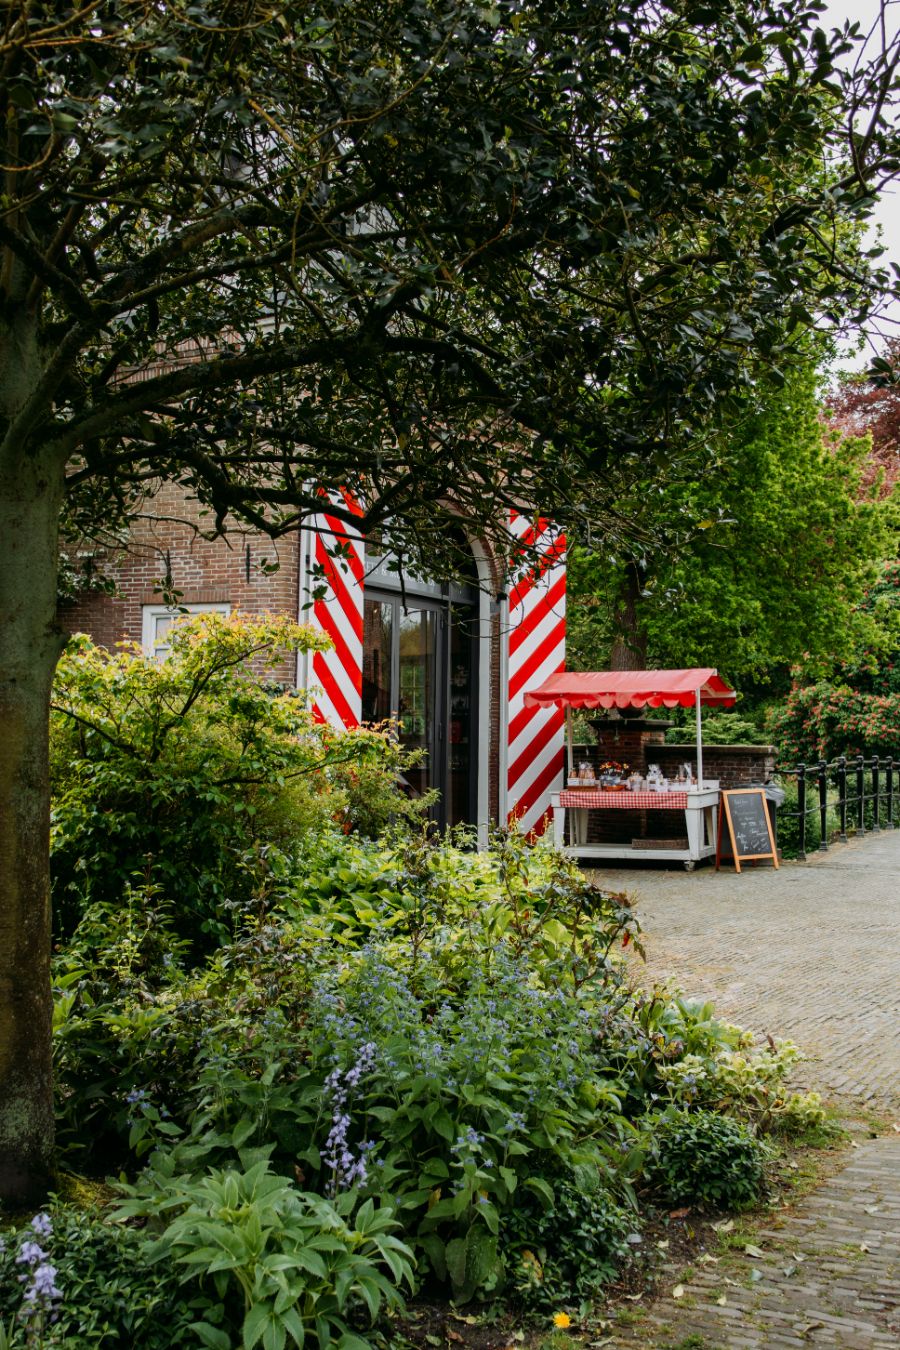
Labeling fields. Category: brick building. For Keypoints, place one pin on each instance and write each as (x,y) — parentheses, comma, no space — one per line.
(450,663)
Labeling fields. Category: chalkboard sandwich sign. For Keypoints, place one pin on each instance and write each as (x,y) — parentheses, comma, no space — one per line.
(749,827)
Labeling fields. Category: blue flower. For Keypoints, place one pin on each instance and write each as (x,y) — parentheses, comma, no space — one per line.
(43,1285)
(30,1254)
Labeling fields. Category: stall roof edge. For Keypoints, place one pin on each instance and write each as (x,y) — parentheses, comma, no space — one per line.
(632,689)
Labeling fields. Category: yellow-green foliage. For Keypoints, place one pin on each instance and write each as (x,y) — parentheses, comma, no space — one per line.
(191,777)
(747,1082)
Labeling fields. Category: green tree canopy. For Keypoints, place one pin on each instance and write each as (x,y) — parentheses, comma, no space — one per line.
(765,556)
(456,255)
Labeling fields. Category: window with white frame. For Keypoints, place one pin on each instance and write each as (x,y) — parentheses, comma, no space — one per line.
(158,619)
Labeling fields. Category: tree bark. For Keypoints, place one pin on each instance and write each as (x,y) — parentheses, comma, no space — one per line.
(30,643)
(629,649)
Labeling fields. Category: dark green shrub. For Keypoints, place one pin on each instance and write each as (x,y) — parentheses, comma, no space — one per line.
(789,820)
(703,1158)
(722,728)
(110,1296)
(565,1251)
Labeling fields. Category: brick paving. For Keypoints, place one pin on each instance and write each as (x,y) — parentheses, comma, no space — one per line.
(810,952)
(829,1275)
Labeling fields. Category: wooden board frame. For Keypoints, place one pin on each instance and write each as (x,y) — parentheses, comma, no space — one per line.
(726,813)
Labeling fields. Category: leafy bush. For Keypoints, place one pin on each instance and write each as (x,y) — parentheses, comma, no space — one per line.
(566,1251)
(877,668)
(189,780)
(107,1293)
(723,728)
(701,1157)
(428,1035)
(789,818)
(447,1034)
(275,1265)
(747,1084)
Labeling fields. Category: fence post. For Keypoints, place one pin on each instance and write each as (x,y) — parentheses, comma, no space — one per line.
(889,804)
(801,810)
(876,796)
(823,806)
(842,804)
(860,796)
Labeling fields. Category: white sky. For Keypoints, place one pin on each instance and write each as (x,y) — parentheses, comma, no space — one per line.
(887,213)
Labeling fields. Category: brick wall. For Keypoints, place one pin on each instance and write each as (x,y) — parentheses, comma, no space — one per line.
(629,740)
(735,766)
(203,571)
(635,741)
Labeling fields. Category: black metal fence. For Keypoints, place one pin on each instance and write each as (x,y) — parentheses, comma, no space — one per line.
(863,793)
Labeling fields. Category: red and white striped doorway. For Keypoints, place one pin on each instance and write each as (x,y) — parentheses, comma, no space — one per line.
(449,664)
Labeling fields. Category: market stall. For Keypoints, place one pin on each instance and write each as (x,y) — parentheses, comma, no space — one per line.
(695,799)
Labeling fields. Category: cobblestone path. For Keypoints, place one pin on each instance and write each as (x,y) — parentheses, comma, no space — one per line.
(810,952)
(828,1276)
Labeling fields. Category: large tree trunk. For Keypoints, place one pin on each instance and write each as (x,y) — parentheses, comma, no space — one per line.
(629,649)
(30,643)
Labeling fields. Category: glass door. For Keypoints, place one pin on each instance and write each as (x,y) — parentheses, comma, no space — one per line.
(378,656)
(462,758)
(419,723)
(419,668)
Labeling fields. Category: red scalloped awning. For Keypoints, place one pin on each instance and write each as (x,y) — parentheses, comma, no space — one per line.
(632,689)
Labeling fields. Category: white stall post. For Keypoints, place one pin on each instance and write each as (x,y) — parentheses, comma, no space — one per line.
(569,737)
(699,743)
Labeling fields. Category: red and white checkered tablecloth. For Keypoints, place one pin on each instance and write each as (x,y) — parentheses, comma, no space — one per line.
(598,800)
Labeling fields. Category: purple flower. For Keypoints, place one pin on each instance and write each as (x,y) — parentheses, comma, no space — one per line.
(339,1086)
(30,1254)
(42,1225)
(43,1287)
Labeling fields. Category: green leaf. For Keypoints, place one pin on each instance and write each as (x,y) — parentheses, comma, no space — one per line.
(443,1125)
(541,1188)
(455,1260)
(509,1177)
(211,1336)
(274,1335)
(255,1323)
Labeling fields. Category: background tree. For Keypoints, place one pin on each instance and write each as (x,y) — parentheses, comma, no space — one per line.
(500,253)
(765,557)
(869,404)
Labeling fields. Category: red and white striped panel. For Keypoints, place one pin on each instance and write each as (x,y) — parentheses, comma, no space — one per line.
(537,648)
(336,674)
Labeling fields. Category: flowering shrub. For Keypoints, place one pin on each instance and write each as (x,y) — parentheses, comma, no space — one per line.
(446,1036)
(92,1287)
(823,721)
(37,1276)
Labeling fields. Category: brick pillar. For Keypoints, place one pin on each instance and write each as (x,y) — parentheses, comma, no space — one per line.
(629,740)
(632,741)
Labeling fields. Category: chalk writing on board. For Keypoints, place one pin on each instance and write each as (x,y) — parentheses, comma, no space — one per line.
(747,815)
